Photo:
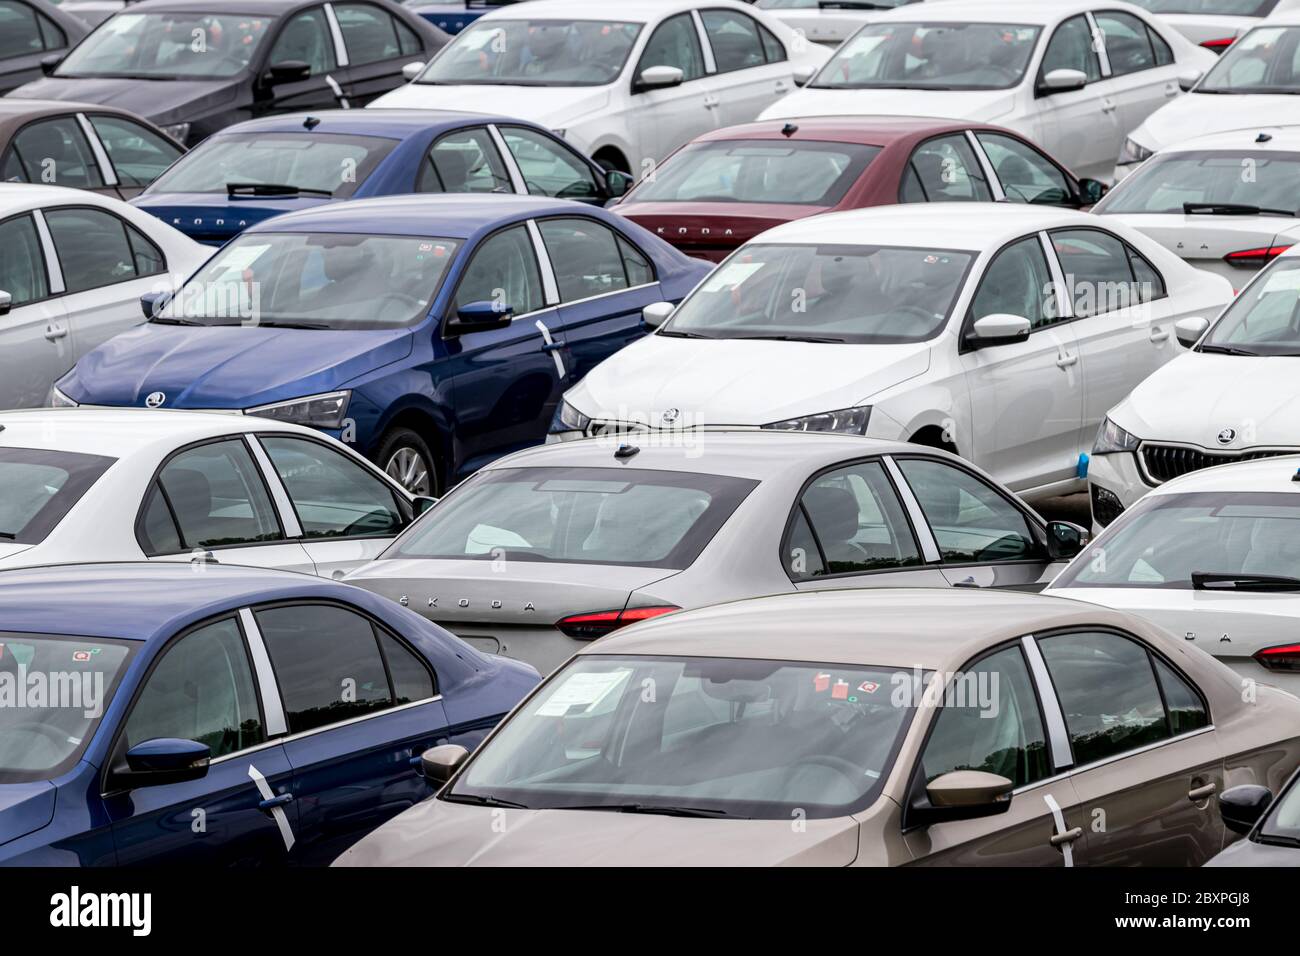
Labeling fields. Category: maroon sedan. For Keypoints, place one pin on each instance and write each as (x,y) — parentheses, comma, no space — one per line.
(725,187)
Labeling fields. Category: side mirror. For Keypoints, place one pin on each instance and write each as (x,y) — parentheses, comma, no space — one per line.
(1242,807)
(1063,81)
(963,795)
(658,77)
(1091,191)
(440,764)
(51,63)
(1188,331)
(289,71)
(803,75)
(411,70)
(481,316)
(1065,539)
(165,760)
(617,182)
(151,303)
(998,329)
(422,504)
(1189,78)
(656,314)
(6,303)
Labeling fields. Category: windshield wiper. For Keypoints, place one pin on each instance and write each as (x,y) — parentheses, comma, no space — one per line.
(271,189)
(1232,209)
(172,320)
(484,800)
(652,808)
(789,338)
(288,324)
(1231,581)
(9,535)
(675,334)
(1273,839)
(1226,350)
(852,5)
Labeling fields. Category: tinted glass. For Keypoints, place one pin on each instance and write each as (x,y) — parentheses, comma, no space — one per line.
(946,170)
(585,257)
(1264,319)
(464,162)
(22,264)
(333,497)
(1026,175)
(20,35)
(503,270)
(1018,282)
(548,168)
(55,152)
(734,38)
(368,33)
(1071,48)
(138,155)
(1097,271)
(40,487)
(218,498)
(675,42)
(858,522)
(548,52)
(158,532)
(1282,825)
(97,249)
(1186,709)
(802,555)
(1128,45)
(971,521)
(164,44)
(411,680)
(306,39)
(1248,178)
(1265,60)
(1229,8)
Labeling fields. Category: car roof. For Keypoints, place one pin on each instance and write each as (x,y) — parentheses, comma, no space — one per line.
(891,627)
(445,215)
(626,11)
(370,122)
(142,601)
(268,8)
(19,196)
(867,130)
(1281,138)
(992,11)
(755,455)
(971,226)
(1278,474)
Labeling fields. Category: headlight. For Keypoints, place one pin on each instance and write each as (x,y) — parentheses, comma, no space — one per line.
(848,421)
(177,131)
(318,411)
(1133,152)
(569,419)
(57,399)
(1111,439)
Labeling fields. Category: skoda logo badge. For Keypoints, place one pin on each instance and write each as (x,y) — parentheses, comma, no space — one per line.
(1227,436)
(669,416)
(155,399)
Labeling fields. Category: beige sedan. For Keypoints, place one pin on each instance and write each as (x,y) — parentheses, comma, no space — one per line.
(885,727)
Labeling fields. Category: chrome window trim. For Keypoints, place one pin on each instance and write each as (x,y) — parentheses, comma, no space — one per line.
(336,33)
(279,493)
(1057,736)
(52,267)
(550,288)
(106,168)
(267,686)
(995,184)
(517,182)
(1064,302)
(1099,46)
(706,46)
(921,524)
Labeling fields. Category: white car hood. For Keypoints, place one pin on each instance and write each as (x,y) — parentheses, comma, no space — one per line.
(1198,114)
(9,549)
(733,382)
(1197,395)
(977,106)
(549,106)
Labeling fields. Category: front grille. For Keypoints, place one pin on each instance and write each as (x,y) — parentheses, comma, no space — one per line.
(615,429)
(1161,463)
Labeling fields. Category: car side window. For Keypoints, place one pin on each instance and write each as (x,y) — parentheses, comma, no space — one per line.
(1128,45)
(971,521)
(407,39)
(1107,688)
(465,161)
(1150,283)
(55,152)
(638,267)
(504,271)
(368,33)
(332,496)
(856,524)
(216,497)
(52,34)
(1164,54)
(1026,174)
(306,39)
(734,38)
(202,690)
(411,678)
(1000,734)
(1186,708)
(773,48)
(1097,271)
(1017,282)
(97,249)
(548,168)
(945,169)
(22,264)
(675,42)
(586,257)
(138,155)
(20,34)
(1071,48)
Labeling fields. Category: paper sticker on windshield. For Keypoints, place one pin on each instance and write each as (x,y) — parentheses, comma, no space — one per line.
(732,275)
(584,690)
(242,257)
(1283,280)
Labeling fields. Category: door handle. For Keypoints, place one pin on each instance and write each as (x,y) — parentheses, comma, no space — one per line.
(282,800)
(1069,836)
(1159,335)
(1196,794)
(55,332)
(781,87)
(1108,106)
(1171,89)
(1065,361)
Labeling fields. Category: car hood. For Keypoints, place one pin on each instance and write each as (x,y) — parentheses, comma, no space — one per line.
(214,218)
(731,382)
(976,106)
(1198,395)
(10,549)
(161,101)
(24,808)
(439,833)
(1249,853)
(232,367)
(1197,114)
(550,106)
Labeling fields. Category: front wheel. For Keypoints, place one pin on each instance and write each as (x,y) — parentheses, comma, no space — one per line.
(405,457)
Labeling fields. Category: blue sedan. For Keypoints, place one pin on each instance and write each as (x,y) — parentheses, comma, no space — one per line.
(220,716)
(432,333)
(262,168)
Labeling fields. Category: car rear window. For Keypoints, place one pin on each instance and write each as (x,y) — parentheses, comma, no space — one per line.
(642,518)
(40,487)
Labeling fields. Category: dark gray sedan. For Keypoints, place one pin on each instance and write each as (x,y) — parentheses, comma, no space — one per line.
(30,31)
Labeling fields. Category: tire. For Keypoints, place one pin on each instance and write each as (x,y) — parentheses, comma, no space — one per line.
(405,457)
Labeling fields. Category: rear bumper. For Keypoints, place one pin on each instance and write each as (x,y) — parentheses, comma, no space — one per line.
(545,648)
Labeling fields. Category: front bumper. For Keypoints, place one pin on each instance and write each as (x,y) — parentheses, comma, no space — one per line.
(1114,484)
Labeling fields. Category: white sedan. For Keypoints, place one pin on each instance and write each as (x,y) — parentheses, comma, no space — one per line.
(1215,24)
(73,266)
(1232,397)
(626,84)
(1001,332)
(83,485)
(1074,76)
(1213,557)
(1226,202)
(1252,86)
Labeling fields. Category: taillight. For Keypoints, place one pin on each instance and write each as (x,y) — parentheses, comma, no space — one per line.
(588,627)
(1284,657)
(1254,258)
(1219,45)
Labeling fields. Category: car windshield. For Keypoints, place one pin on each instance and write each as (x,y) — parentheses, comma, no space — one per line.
(535,53)
(758,171)
(1283,822)
(1164,539)
(577,515)
(831,4)
(315,281)
(180,45)
(55,691)
(1265,60)
(40,487)
(1264,319)
(931,56)
(825,293)
(1253,181)
(717,737)
(313,163)
(1219,8)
